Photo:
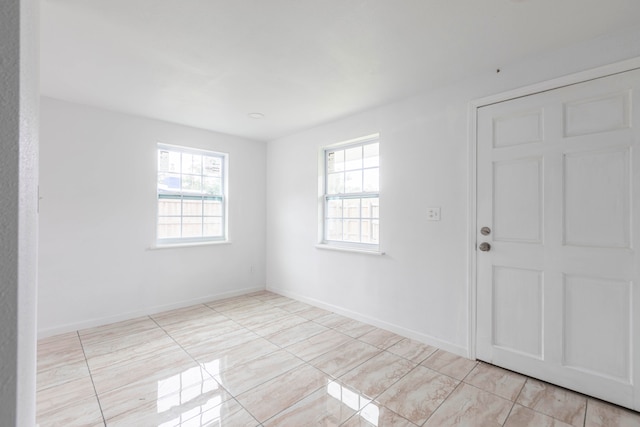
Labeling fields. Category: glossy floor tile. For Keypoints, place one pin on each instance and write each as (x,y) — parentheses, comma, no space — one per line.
(266,360)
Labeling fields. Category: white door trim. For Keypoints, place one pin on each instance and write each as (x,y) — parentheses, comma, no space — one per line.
(472,137)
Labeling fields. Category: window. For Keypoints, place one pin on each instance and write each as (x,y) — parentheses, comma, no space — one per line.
(191,195)
(351,194)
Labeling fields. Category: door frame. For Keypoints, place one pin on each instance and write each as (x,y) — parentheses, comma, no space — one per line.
(472,140)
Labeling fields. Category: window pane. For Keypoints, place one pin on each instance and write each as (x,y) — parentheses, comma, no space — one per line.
(212,166)
(371,181)
(168,207)
(352,208)
(191,226)
(353,182)
(334,209)
(335,183)
(192,163)
(371,155)
(366,231)
(334,229)
(191,207)
(168,161)
(212,208)
(335,161)
(168,182)
(370,231)
(351,232)
(353,158)
(212,186)
(370,207)
(168,227)
(191,184)
(213,227)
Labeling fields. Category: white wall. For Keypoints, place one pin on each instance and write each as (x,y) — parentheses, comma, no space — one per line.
(97,220)
(420,287)
(18,214)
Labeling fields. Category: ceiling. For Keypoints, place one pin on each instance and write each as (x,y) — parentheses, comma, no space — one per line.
(209,63)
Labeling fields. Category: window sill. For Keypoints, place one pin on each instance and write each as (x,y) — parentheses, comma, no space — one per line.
(347,249)
(188,245)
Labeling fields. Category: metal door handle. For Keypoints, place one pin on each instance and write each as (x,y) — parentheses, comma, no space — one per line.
(484,247)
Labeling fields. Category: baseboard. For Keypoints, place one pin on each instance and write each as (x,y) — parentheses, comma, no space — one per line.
(99,321)
(400,330)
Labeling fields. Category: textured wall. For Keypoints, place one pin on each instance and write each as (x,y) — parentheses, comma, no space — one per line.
(18,204)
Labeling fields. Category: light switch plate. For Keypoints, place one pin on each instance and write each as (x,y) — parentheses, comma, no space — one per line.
(433,214)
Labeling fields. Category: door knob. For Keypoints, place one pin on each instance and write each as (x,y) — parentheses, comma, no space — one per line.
(484,247)
(485,231)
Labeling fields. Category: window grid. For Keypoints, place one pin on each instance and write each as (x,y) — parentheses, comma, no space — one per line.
(359,228)
(195,180)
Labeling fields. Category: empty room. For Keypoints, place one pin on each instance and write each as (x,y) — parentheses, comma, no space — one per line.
(320,213)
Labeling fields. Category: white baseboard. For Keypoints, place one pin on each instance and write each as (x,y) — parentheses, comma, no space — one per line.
(400,330)
(99,321)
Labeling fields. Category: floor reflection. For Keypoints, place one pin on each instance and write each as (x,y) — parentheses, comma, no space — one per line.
(191,397)
(355,401)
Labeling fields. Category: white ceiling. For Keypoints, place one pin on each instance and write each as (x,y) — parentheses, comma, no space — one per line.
(208,63)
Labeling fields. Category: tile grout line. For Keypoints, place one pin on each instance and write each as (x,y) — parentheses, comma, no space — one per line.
(205,369)
(86,361)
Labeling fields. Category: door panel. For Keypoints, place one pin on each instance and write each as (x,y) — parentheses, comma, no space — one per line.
(557,183)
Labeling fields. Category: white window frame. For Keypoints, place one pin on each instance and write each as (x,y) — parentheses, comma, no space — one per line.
(324,197)
(177,241)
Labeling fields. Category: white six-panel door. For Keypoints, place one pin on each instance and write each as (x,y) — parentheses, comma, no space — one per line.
(558,185)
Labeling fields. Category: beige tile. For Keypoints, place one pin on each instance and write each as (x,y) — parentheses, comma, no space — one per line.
(296,334)
(498,381)
(449,364)
(376,374)
(374,415)
(243,377)
(183,314)
(354,329)
(344,358)
(413,350)
(380,338)
(211,321)
(418,394)
(227,414)
(232,304)
(263,310)
(219,342)
(117,330)
(318,344)
(278,325)
(561,404)
(274,396)
(84,412)
(53,353)
(276,300)
(601,414)
(257,320)
(469,406)
(295,306)
(93,348)
(525,417)
(195,336)
(331,320)
(164,399)
(312,313)
(318,409)
(154,367)
(65,394)
(55,341)
(155,347)
(218,361)
(61,374)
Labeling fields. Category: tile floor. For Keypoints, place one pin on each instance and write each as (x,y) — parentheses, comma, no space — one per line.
(266,360)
